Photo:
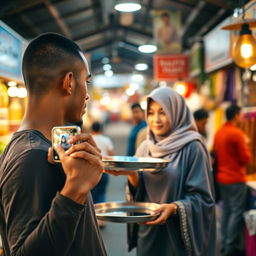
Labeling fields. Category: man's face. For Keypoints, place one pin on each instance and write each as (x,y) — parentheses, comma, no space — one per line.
(201,125)
(166,20)
(80,95)
(138,115)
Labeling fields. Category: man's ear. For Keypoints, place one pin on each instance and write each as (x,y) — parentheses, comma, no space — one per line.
(67,82)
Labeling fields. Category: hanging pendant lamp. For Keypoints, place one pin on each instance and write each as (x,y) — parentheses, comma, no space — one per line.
(244,49)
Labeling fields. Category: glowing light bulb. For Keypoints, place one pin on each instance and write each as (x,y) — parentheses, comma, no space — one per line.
(244,50)
(181,88)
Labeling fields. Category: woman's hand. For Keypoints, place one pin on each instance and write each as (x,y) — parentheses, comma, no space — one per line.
(133,176)
(165,210)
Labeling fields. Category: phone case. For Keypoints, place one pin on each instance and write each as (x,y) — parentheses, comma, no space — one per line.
(61,135)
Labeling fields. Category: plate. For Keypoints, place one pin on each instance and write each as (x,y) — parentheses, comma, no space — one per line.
(128,163)
(126,212)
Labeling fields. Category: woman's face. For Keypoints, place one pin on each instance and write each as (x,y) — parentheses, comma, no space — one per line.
(157,119)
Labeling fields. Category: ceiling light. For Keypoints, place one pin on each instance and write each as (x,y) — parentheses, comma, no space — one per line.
(107,67)
(130,92)
(12,83)
(137,78)
(134,86)
(108,73)
(141,66)
(22,92)
(127,6)
(147,48)
(13,91)
(181,88)
(105,60)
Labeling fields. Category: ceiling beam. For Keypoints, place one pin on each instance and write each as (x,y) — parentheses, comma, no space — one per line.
(220,3)
(176,5)
(147,13)
(192,16)
(58,19)
(207,26)
(136,30)
(80,39)
(35,30)
(23,5)
(100,45)
(97,9)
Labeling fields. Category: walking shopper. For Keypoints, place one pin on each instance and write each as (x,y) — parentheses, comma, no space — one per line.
(184,189)
(201,117)
(45,208)
(232,154)
(139,121)
(105,144)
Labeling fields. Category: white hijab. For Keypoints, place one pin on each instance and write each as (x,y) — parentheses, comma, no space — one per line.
(183,127)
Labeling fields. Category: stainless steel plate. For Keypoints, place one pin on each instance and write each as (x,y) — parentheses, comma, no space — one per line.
(126,212)
(128,163)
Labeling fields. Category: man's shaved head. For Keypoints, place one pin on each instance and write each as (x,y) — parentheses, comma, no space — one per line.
(46,58)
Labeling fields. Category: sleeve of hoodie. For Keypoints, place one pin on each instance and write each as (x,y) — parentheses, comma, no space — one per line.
(243,151)
(39,220)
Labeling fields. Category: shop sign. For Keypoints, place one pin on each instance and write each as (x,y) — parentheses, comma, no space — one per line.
(11,47)
(170,67)
(196,60)
(217,48)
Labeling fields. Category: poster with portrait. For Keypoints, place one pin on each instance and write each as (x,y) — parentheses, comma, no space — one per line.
(166,29)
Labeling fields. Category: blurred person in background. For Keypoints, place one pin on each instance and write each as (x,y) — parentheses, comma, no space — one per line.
(232,155)
(184,189)
(201,117)
(138,117)
(105,144)
(46,208)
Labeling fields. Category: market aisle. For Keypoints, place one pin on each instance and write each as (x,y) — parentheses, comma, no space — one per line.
(114,234)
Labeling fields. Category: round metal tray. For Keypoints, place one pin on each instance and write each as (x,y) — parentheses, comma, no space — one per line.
(128,163)
(126,212)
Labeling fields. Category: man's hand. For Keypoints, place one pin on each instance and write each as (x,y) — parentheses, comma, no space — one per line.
(82,165)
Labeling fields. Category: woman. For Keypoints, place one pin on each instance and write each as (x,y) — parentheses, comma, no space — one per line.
(184,189)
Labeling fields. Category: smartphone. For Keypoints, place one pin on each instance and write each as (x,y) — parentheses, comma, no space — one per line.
(61,135)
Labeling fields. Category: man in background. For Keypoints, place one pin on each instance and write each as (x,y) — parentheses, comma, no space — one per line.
(232,155)
(105,144)
(138,116)
(201,117)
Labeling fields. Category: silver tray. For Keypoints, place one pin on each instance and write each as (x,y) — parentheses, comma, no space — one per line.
(126,212)
(129,163)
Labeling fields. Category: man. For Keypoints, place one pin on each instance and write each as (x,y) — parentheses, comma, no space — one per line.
(105,144)
(201,117)
(167,36)
(232,154)
(138,118)
(46,209)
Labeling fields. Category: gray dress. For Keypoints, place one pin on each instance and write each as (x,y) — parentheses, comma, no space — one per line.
(187,181)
